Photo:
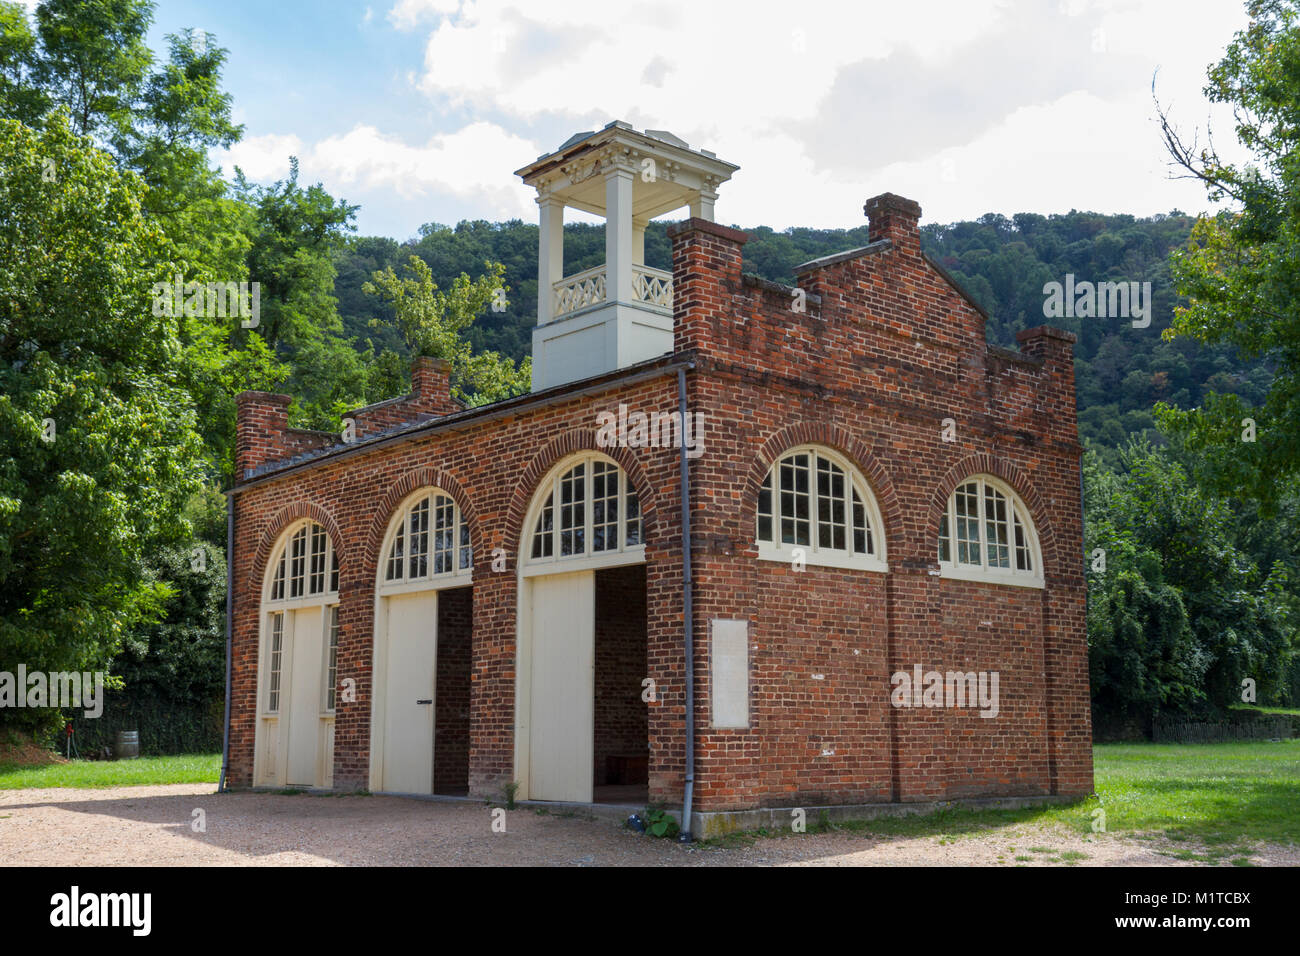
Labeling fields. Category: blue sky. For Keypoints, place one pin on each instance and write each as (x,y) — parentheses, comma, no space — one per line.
(420,110)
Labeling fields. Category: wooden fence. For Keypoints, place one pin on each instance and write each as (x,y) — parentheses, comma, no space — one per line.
(1219,731)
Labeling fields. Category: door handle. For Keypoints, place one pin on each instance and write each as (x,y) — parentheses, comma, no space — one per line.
(429,701)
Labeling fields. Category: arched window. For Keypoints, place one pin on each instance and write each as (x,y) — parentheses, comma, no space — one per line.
(586,511)
(427,543)
(305,569)
(815,501)
(986,535)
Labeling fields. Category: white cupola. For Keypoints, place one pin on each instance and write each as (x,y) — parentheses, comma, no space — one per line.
(619,313)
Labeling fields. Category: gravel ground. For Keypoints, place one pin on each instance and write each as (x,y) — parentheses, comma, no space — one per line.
(152,826)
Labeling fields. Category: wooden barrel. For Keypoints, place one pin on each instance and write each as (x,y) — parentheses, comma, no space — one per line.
(127,744)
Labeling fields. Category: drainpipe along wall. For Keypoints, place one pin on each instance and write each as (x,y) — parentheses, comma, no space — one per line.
(230,601)
(688,630)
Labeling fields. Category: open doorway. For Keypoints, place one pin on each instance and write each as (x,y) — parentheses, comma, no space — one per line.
(620,766)
(451,692)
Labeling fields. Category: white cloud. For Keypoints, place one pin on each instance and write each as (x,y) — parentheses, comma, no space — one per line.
(406,14)
(473,163)
(262,157)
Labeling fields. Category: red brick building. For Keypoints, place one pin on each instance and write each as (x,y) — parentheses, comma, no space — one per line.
(883,598)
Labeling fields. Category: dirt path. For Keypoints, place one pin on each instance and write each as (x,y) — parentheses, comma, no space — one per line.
(155,826)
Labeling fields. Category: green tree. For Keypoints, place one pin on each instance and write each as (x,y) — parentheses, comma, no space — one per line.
(434,323)
(1241,270)
(98,451)
(1181,615)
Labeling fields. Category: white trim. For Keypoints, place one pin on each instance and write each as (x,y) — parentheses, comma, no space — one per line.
(528,568)
(458,578)
(1019,579)
(455,578)
(1016,509)
(777,550)
(823,559)
(278,722)
(602,559)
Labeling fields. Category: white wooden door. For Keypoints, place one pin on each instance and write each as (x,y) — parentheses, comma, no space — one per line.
(306,657)
(412,659)
(562,699)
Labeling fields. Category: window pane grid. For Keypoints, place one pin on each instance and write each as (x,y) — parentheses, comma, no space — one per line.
(985,525)
(332,670)
(633,519)
(319,547)
(297,562)
(543,534)
(998,552)
(967,524)
(830,506)
(573,500)
(604,506)
(589,509)
(444,535)
(796,501)
(1024,562)
(806,490)
(418,541)
(277,585)
(397,553)
(273,668)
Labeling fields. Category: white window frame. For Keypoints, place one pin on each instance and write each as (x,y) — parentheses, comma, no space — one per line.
(457,577)
(814,554)
(281,560)
(1016,508)
(548,489)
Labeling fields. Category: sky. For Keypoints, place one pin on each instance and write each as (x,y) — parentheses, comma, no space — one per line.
(420,110)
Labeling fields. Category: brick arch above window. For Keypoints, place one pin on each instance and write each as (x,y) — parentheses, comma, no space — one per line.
(283,519)
(401,489)
(555,451)
(1017,485)
(837,440)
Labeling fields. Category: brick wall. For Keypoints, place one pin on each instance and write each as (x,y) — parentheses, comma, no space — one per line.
(884,352)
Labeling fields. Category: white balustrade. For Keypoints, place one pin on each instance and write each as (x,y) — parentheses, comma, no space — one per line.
(650,286)
(579,291)
(653,286)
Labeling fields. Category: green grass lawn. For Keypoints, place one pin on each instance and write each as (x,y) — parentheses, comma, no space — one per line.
(1217,799)
(187,768)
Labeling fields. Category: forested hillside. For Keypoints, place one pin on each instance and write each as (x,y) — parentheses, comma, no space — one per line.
(1003,263)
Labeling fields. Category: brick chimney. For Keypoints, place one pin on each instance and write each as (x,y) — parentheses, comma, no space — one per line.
(430,398)
(262,432)
(895,218)
(431,386)
(707,262)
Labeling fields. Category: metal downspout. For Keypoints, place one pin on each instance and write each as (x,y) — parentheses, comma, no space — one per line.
(688,632)
(230,601)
